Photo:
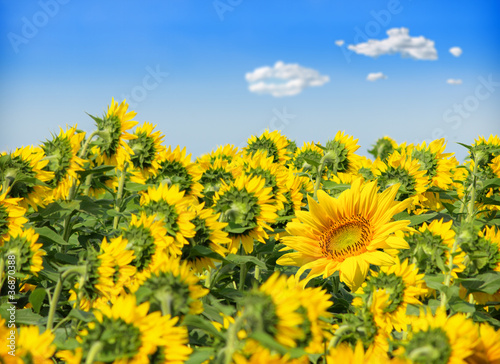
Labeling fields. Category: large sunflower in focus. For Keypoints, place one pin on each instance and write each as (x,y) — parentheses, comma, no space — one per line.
(346,234)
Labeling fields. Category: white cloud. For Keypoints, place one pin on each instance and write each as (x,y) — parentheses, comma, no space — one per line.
(339,42)
(376,76)
(456,51)
(297,79)
(399,41)
(454,81)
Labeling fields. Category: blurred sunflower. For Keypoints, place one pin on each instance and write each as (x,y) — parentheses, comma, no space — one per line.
(439,339)
(12,216)
(487,349)
(23,176)
(383,148)
(344,353)
(273,143)
(149,240)
(23,244)
(273,308)
(314,305)
(303,156)
(170,205)
(261,355)
(33,346)
(364,326)
(209,234)
(126,333)
(403,286)
(247,206)
(346,234)
(112,148)
(62,154)
(176,168)
(439,166)
(430,248)
(274,174)
(146,147)
(227,153)
(214,174)
(339,154)
(402,169)
(172,287)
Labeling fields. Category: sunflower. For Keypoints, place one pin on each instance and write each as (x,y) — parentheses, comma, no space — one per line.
(149,240)
(344,353)
(346,234)
(209,234)
(430,248)
(339,154)
(483,151)
(214,174)
(261,355)
(176,168)
(112,148)
(127,332)
(303,156)
(171,206)
(273,143)
(314,305)
(62,154)
(403,169)
(488,348)
(483,252)
(274,174)
(364,326)
(35,347)
(146,147)
(440,339)
(11,216)
(402,284)
(247,206)
(439,166)
(23,176)
(274,308)
(105,274)
(227,153)
(383,148)
(171,287)
(23,244)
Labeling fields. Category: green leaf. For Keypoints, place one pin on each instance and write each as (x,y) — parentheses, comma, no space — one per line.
(51,235)
(331,185)
(241,259)
(237,228)
(200,355)
(97,170)
(492,182)
(81,315)
(415,219)
(203,251)
(27,317)
(459,305)
(486,282)
(200,323)
(36,299)
(465,145)
(269,342)
(312,162)
(434,281)
(484,317)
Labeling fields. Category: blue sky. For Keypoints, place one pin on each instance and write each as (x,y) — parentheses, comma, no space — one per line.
(182,65)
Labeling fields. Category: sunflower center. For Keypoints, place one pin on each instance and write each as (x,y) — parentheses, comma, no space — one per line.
(346,238)
(173,173)
(429,347)
(144,151)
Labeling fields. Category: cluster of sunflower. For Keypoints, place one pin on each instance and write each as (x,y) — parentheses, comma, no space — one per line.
(117,249)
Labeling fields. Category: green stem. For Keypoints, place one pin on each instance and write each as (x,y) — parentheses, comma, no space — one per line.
(119,195)
(447,279)
(57,292)
(472,200)
(232,342)
(166,304)
(5,185)
(319,174)
(243,275)
(93,352)
(208,277)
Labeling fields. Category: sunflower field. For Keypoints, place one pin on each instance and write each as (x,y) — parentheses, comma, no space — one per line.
(117,249)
